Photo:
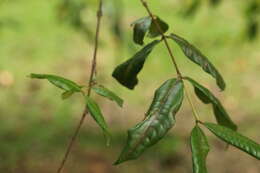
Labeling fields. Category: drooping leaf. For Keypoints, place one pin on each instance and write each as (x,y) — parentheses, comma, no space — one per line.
(158,121)
(233,138)
(154,31)
(97,115)
(197,57)
(67,94)
(200,149)
(59,82)
(141,26)
(126,73)
(207,97)
(101,90)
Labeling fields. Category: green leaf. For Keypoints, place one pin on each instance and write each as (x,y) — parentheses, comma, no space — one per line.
(200,149)
(59,82)
(154,31)
(233,138)
(141,26)
(197,57)
(158,121)
(126,73)
(67,94)
(97,115)
(101,90)
(207,97)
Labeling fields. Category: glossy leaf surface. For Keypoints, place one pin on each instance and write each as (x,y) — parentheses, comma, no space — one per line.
(97,115)
(207,97)
(141,26)
(158,121)
(200,149)
(59,82)
(101,90)
(126,73)
(197,57)
(233,138)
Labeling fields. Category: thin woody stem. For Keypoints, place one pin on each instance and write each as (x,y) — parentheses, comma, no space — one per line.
(91,80)
(164,38)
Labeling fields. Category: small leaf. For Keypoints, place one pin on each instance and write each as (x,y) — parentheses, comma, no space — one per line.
(101,90)
(126,73)
(197,57)
(67,94)
(154,31)
(231,137)
(97,115)
(207,97)
(200,149)
(158,121)
(59,82)
(141,26)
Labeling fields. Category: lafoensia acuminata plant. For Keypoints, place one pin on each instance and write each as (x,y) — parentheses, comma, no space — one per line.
(160,117)
(167,101)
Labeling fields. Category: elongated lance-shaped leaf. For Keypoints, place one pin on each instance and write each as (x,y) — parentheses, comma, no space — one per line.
(97,115)
(197,57)
(59,82)
(200,149)
(101,90)
(141,26)
(207,97)
(159,120)
(126,73)
(154,31)
(233,138)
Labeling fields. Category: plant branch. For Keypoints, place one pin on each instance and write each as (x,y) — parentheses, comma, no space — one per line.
(91,80)
(163,37)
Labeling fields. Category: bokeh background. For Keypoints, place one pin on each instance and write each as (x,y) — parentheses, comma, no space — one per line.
(56,37)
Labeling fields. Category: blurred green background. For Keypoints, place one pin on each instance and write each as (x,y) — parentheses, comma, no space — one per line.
(56,37)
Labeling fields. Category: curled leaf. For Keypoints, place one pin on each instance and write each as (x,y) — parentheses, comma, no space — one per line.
(207,97)
(200,149)
(197,57)
(233,138)
(101,90)
(145,24)
(141,26)
(126,73)
(159,120)
(154,31)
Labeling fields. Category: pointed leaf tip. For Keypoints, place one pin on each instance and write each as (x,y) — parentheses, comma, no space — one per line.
(237,140)
(207,97)
(101,90)
(198,58)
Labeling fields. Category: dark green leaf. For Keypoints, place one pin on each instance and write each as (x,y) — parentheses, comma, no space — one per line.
(67,94)
(101,90)
(126,73)
(141,26)
(154,31)
(97,115)
(207,97)
(231,137)
(197,57)
(200,149)
(158,121)
(59,82)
